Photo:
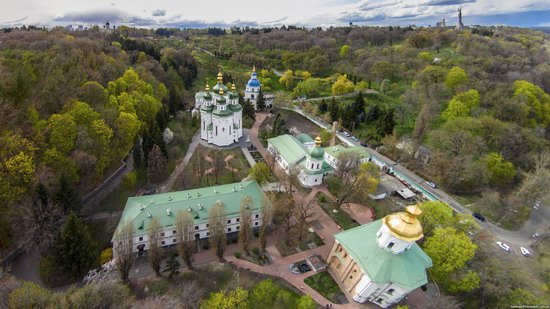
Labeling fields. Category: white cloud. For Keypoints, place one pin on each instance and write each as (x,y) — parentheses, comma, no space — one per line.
(259,12)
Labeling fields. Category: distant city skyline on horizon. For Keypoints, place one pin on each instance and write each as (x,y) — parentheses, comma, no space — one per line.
(308,13)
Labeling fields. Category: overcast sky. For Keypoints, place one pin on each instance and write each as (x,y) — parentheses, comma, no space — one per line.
(258,13)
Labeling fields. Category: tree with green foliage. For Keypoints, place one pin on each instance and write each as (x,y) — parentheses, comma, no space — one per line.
(235,299)
(334,109)
(279,126)
(29,295)
(156,167)
(62,132)
(154,254)
(217,222)
(172,265)
(66,195)
(383,70)
(456,77)
(16,173)
(326,136)
(322,107)
(435,214)
(126,127)
(344,51)
(306,302)
(500,171)
(74,247)
(260,173)
(185,233)
(461,104)
(536,99)
(520,297)
(260,101)
(450,250)
(386,123)
(248,108)
(245,228)
(342,85)
(309,87)
(287,79)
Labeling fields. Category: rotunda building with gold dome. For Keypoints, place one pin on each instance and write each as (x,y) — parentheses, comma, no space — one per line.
(221,113)
(380,262)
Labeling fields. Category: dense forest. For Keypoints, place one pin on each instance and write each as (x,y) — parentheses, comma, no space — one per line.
(74,103)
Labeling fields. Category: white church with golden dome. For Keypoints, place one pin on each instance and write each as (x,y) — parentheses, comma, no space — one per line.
(380,262)
(221,114)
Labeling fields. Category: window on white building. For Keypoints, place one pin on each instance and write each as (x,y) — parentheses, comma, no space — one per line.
(257,216)
(162,234)
(162,242)
(256,224)
(390,245)
(229,221)
(173,240)
(141,239)
(390,291)
(229,229)
(174,232)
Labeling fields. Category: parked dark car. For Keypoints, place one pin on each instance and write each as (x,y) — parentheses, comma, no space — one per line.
(364,144)
(479,216)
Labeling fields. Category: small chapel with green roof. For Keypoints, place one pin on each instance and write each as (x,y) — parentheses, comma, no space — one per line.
(380,261)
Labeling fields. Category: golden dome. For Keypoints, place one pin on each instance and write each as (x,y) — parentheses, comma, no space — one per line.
(233,87)
(318,141)
(254,68)
(405,225)
(207,87)
(221,91)
(220,77)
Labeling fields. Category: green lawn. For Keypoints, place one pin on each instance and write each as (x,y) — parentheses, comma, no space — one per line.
(189,181)
(341,217)
(325,285)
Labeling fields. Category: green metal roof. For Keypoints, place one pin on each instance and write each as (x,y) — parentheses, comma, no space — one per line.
(304,138)
(336,150)
(289,148)
(407,269)
(207,108)
(222,113)
(230,195)
(235,107)
(325,168)
(317,152)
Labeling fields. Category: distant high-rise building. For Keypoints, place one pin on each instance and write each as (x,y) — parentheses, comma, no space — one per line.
(441,24)
(459,24)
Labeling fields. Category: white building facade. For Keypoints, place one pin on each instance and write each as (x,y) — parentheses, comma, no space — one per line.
(380,262)
(253,88)
(220,113)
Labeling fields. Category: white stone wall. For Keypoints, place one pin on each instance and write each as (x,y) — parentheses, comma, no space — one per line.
(384,295)
(385,239)
(169,235)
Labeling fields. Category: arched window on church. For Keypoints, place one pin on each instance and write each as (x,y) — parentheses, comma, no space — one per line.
(390,245)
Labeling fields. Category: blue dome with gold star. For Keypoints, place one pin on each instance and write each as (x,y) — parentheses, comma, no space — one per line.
(253,81)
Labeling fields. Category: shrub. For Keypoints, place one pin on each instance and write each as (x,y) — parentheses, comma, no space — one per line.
(29,295)
(130,180)
(106,256)
(322,199)
(238,255)
(256,250)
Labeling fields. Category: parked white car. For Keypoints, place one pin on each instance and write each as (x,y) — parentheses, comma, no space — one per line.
(524,251)
(503,246)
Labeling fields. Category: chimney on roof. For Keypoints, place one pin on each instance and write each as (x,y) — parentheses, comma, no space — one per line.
(168,211)
(148,214)
(141,207)
(169,198)
(152,201)
(200,206)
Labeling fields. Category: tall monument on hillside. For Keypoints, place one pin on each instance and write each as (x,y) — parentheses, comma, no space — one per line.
(459,24)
